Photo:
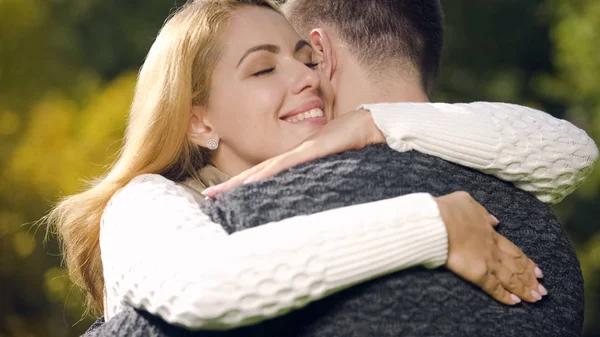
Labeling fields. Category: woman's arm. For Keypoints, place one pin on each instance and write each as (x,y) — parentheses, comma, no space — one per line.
(537,152)
(162,254)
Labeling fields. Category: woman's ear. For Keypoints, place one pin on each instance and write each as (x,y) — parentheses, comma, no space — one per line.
(200,130)
(323,49)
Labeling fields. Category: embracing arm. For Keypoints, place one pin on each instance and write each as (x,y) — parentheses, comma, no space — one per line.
(537,152)
(162,254)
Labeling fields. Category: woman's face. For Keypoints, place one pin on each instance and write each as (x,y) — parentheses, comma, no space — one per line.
(266,94)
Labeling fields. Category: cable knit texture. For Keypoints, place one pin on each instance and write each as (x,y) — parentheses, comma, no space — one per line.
(482,135)
(414,302)
(257,274)
(528,147)
(418,302)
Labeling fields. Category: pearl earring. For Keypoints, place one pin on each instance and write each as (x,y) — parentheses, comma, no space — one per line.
(213,144)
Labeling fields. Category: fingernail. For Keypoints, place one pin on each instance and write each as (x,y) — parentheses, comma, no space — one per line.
(249,180)
(536,295)
(213,190)
(542,290)
(207,192)
(495,219)
(515,298)
(538,272)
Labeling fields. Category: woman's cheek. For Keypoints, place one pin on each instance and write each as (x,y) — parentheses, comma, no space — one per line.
(267,101)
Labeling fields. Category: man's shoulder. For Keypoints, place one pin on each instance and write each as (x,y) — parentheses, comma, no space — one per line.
(372,165)
(344,179)
(372,168)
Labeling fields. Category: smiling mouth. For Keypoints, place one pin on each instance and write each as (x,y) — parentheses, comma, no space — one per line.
(310,114)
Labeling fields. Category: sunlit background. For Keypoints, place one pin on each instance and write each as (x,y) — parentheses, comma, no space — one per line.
(67,72)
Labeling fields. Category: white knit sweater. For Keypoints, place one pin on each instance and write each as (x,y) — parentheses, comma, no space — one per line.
(203,278)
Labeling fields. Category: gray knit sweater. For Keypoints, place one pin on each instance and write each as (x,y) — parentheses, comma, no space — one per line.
(414,302)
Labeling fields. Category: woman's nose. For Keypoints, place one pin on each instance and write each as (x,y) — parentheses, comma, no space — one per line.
(305,79)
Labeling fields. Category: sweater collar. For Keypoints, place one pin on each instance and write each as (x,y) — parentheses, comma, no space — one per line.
(208,176)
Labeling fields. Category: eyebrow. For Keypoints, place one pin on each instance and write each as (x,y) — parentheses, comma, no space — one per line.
(271,48)
(301,44)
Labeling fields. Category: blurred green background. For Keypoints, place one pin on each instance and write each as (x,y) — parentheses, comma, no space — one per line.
(67,72)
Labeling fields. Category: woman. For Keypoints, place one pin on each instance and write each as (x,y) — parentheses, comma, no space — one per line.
(198,85)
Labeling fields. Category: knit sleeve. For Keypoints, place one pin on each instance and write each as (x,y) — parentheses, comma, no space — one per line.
(162,254)
(541,154)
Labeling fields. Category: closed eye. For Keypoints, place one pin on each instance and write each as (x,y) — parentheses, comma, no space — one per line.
(312,65)
(263,72)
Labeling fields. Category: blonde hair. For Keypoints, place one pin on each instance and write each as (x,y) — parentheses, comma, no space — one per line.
(175,76)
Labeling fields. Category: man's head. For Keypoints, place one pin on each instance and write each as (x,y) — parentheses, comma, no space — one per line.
(386,38)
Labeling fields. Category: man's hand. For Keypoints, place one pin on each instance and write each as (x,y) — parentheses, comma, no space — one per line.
(477,253)
(353,130)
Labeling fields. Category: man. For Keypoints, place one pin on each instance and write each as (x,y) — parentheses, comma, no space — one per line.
(378,51)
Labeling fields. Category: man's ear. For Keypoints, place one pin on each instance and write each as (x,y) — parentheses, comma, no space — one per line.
(200,130)
(323,48)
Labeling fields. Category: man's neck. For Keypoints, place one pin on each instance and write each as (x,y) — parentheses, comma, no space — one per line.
(356,88)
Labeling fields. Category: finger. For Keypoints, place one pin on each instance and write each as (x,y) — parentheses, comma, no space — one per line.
(532,272)
(514,256)
(510,280)
(520,270)
(306,152)
(276,166)
(515,282)
(495,289)
(523,262)
(493,220)
(243,178)
(538,272)
(252,175)
(213,191)
(508,246)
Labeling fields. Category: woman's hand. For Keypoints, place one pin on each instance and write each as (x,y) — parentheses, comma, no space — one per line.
(353,130)
(477,253)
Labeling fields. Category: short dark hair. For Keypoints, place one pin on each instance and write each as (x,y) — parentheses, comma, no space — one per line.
(393,30)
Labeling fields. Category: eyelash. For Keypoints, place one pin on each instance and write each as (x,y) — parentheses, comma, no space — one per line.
(311,65)
(263,72)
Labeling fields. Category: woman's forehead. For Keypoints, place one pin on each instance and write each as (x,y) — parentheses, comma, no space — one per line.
(252,25)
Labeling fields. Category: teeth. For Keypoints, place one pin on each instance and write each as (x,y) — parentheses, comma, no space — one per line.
(306,115)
